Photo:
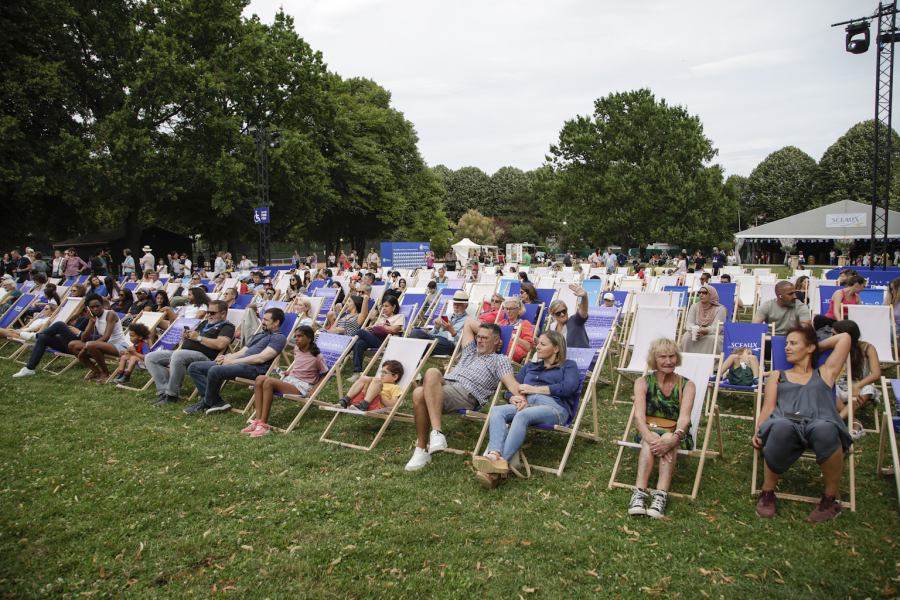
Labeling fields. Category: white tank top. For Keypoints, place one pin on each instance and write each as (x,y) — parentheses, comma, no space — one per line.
(117,337)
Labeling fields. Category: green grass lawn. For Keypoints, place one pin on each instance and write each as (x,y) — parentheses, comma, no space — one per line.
(102,495)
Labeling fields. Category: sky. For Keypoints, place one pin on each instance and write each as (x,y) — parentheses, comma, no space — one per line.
(490,83)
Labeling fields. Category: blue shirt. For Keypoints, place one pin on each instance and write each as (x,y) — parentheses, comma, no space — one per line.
(563,382)
(457,322)
(259,342)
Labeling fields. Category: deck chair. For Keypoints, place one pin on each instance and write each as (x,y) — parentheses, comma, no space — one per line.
(72,307)
(748,290)
(728,293)
(14,315)
(888,433)
(287,328)
(779,362)
(877,326)
(739,335)
(696,368)
(335,349)
(412,354)
(650,322)
(170,340)
(584,358)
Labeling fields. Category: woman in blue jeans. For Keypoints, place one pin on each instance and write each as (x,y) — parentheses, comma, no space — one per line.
(548,393)
(390,322)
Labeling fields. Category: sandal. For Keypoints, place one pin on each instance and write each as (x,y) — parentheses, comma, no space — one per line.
(489,481)
(490,463)
(92,375)
(858,433)
(103,378)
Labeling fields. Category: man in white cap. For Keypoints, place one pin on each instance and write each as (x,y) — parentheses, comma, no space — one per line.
(148,262)
(447,330)
(609,300)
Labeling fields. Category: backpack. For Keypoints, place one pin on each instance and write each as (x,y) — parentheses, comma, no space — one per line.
(568,260)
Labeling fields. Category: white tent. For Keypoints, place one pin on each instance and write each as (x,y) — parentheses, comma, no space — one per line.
(845,219)
(463,247)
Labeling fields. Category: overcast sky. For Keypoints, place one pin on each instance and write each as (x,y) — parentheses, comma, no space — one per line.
(489,83)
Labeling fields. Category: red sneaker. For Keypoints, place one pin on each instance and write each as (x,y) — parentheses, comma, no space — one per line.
(250,428)
(829,508)
(765,507)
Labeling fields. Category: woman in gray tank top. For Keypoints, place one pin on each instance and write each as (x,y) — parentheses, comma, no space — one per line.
(799,414)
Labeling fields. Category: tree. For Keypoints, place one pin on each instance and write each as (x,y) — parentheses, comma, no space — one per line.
(782,185)
(477,227)
(635,172)
(467,188)
(846,167)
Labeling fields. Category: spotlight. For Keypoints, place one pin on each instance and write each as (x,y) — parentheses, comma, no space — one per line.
(857,45)
(275,140)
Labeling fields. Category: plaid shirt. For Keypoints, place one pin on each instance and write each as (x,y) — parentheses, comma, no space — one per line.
(479,374)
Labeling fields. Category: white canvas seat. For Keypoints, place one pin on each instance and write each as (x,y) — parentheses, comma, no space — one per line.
(888,435)
(650,322)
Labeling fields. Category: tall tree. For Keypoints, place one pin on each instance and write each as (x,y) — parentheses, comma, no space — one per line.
(782,185)
(846,167)
(636,171)
(477,227)
(467,188)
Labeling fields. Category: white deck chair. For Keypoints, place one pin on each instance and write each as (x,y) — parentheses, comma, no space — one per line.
(888,435)
(412,354)
(766,292)
(696,368)
(877,326)
(631,283)
(70,308)
(650,322)
(748,290)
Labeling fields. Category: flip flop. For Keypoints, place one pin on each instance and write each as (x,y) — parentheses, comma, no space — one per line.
(92,375)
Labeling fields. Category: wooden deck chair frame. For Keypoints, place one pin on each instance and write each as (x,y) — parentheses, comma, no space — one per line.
(631,348)
(739,390)
(696,368)
(587,395)
(414,347)
(70,308)
(848,456)
(150,319)
(888,435)
(23,303)
(180,323)
(333,372)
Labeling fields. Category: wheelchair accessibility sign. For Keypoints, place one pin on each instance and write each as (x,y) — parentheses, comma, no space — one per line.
(260,215)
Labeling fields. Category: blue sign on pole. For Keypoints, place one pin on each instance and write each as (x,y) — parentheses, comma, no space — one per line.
(260,215)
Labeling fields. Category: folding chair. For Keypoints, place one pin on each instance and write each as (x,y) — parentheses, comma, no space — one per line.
(877,326)
(696,368)
(14,315)
(779,362)
(335,349)
(740,335)
(412,354)
(69,309)
(650,322)
(888,433)
(728,293)
(747,291)
(170,340)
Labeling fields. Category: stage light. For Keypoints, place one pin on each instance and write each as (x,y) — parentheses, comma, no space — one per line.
(857,45)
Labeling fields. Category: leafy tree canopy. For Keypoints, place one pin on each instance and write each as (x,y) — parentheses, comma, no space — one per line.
(783,184)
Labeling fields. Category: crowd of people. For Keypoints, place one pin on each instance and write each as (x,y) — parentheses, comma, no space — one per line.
(543,391)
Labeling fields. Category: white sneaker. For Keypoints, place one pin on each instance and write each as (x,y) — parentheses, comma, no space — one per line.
(24,372)
(419,459)
(436,442)
(28,336)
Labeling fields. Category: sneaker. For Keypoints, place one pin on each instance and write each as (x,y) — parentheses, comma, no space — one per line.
(219,406)
(638,504)
(261,430)
(419,459)
(436,442)
(360,406)
(657,508)
(123,378)
(250,428)
(829,508)
(765,506)
(344,402)
(354,377)
(165,400)
(858,433)
(489,481)
(196,407)
(25,372)
(28,336)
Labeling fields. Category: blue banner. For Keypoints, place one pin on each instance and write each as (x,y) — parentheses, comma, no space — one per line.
(404,255)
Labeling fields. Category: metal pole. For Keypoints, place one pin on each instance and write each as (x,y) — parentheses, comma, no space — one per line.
(262,184)
(881,172)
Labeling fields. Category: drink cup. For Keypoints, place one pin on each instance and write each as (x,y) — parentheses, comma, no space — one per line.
(695,333)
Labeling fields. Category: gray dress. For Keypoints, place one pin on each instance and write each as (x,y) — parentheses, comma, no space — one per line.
(707,344)
(814,400)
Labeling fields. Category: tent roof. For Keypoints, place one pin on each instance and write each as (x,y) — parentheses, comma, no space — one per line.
(463,246)
(812,224)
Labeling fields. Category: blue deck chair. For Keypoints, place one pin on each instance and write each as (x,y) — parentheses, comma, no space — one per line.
(680,289)
(314,285)
(329,295)
(14,314)
(889,433)
(621,299)
(780,362)
(740,335)
(131,286)
(170,340)
(335,349)
(825,294)
(245,299)
(727,298)
(584,358)
(514,288)
(869,297)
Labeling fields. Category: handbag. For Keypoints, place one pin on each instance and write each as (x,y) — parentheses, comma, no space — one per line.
(661,423)
(380,332)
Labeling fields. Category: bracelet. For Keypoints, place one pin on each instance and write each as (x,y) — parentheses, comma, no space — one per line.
(680,433)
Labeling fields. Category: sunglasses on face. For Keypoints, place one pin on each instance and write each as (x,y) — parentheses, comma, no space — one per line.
(213,312)
(515,308)
(561,312)
(703,293)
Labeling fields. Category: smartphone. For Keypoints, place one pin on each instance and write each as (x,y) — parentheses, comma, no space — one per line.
(446,320)
(186,328)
